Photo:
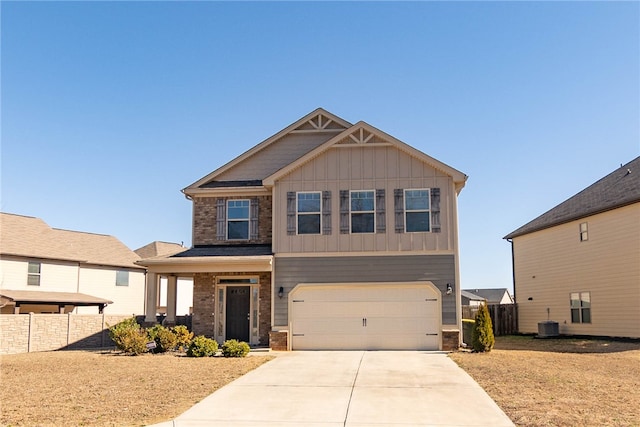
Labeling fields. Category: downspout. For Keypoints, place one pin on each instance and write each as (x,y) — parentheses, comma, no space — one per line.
(513,270)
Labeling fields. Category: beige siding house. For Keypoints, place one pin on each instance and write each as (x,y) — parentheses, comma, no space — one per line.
(48,270)
(579,263)
(327,235)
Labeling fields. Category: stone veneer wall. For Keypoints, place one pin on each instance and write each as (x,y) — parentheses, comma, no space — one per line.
(204,303)
(23,333)
(205,216)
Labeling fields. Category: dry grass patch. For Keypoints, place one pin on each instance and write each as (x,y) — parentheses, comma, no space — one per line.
(83,388)
(560,382)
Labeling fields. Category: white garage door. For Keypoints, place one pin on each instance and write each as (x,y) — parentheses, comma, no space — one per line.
(390,316)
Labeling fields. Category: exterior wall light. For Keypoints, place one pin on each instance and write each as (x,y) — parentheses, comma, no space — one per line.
(449,289)
(280,292)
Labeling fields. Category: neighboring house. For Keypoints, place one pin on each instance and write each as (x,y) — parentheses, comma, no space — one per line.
(579,263)
(327,235)
(492,295)
(471,299)
(48,270)
(184,285)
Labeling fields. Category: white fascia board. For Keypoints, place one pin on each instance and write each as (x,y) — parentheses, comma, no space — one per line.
(227,191)
(221,264)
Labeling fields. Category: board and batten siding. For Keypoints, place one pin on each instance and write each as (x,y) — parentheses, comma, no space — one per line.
(552,263)
(365,168)
(438,269)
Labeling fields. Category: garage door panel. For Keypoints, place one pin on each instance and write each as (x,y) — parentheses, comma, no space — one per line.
(355,317)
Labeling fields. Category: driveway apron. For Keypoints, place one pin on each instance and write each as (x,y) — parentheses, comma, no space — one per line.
(350,389)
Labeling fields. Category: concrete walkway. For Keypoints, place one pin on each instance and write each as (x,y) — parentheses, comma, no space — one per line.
(349,389)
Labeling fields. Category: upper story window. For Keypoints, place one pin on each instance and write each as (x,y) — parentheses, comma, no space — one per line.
(581,307)
(122,278)
(308,211)
(33,275)
(416,210)
(362,211)
(238,219)
(584,232)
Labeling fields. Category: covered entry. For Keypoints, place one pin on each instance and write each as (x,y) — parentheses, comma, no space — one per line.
(365,316)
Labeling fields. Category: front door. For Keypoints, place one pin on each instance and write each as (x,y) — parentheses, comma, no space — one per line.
(238,312)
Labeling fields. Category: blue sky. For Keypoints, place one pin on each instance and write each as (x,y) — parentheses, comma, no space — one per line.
(110,108)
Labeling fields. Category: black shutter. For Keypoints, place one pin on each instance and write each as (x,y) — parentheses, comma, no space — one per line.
(221,219)
(253,219)
(381,218)
(435,210)
(326,212)
(291,213)
(398,204)
(344,211)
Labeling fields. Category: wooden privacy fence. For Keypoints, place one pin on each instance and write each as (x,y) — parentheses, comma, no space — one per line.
(503,316)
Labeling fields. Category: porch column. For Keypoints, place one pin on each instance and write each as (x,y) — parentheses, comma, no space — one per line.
(172,295)
(152,298)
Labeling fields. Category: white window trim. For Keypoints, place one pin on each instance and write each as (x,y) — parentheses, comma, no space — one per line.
(584,232)
(319,213)
(404,201)
(220,328)
(248,220)
(373,212)
(580,309)
(128,277)
(38,274)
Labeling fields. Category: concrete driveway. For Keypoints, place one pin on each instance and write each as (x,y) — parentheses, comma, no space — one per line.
(349,389)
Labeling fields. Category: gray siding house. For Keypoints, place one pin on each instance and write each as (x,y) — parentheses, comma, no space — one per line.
(327,235)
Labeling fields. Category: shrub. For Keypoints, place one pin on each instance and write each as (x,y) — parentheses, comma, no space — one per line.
(165,338)
(129,337)
(202,346)
(482,336)
(183,337)
(235,348)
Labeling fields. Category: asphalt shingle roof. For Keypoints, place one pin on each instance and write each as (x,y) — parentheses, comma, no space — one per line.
(225,250)
(31,237)
(619,188)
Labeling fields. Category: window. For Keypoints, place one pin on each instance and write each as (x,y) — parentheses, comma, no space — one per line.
(584,232)
(416,210)
(122,278)
(362,211)
(238,219)
(33,275)
(308,213)
(580,307)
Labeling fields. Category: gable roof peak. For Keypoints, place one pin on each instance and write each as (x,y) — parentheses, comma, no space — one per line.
(261,160)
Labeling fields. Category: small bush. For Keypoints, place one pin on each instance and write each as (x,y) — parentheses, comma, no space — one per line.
(482,337)
(235,348)
(183,337)
(129,337)
(165,338)
(202,346)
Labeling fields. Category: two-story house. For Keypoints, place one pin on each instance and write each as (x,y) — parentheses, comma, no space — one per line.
(327,235)
(49,270)
(579,263)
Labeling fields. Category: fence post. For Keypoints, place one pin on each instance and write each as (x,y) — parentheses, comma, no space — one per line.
(30,332)
(68,328)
